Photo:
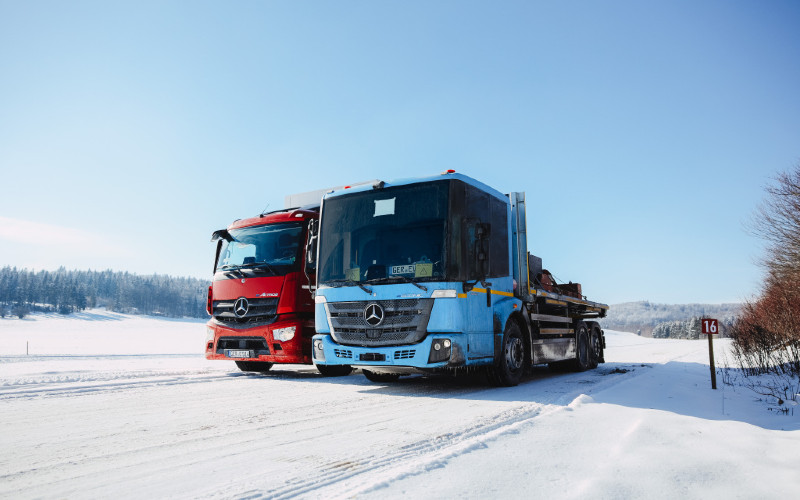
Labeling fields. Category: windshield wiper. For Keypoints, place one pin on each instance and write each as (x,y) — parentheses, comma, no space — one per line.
(260,265)
(338,283)
(233,269)
(404,279)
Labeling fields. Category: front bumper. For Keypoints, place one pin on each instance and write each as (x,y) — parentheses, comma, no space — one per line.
(260,343)
(423,356)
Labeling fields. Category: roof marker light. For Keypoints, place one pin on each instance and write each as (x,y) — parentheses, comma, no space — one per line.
(448,171)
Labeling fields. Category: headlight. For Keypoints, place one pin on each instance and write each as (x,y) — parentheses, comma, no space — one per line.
(284,334)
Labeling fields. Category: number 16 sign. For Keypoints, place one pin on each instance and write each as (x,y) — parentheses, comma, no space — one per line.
(710,327)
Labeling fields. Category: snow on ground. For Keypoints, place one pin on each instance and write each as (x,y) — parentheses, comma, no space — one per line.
(109,405)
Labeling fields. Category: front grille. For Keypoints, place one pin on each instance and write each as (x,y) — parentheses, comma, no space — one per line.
(260,311)
(407,354)
(343,353)
(404,322)
(256,344)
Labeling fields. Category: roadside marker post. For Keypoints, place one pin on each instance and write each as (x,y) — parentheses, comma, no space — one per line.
(710,327)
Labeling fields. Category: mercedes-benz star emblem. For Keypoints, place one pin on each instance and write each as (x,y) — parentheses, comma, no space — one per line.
(240,307)
(373,314)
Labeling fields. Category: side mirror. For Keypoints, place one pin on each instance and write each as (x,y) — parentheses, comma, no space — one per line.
(221,234)
(311,245)
(216,257)
(482,232)
(476,248)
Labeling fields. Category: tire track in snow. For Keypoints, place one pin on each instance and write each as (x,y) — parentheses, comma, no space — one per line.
(67,386)
(346,479)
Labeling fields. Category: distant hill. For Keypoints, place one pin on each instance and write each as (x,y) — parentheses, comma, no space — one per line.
(642,317)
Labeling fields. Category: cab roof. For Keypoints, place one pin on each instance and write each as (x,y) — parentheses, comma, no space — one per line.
(287,215)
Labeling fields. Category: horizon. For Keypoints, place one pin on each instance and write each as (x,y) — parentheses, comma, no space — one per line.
(52,271)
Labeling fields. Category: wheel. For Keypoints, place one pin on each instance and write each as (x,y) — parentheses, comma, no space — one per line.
(380,377)
(595,346)
(334,370)
(254,366)
(510,365)
(582,351)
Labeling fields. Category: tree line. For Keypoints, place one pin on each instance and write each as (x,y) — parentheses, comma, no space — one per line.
(23,291)
(687,329)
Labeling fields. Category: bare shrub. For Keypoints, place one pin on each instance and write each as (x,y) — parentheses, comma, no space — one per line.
(766,334)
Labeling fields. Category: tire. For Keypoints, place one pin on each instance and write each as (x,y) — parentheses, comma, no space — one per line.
(595,346)
(582,360)
(380,377)
(334,370)
(512,360)
(254,366)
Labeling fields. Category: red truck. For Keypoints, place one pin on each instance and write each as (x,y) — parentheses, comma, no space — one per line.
(260,302)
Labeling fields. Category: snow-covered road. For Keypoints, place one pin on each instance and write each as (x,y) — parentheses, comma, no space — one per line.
(175,425)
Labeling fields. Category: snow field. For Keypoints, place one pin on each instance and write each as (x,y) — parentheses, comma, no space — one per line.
(109,420)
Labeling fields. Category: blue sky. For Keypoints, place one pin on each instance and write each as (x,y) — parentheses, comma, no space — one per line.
(643,133)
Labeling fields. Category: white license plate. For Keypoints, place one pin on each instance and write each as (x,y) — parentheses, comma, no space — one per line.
(408,269)
(231,353)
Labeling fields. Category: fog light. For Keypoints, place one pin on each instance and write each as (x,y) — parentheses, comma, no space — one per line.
(319,353)
(284,334)
(440,351)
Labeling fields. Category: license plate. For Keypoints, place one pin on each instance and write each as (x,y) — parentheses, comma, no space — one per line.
(407,269)
(231,353)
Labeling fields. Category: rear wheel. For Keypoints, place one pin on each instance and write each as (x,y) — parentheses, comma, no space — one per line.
(582,349)
(334,370)
(254,366)
(510,365)
(380,377)
(595,346)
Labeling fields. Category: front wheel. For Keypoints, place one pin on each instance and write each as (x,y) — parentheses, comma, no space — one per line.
(509,366)
(254,366)
(334,370)
(380,377)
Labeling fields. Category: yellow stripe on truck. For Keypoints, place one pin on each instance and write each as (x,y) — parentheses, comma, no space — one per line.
(495,292)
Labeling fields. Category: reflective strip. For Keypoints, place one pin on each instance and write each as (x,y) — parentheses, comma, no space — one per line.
(495,292)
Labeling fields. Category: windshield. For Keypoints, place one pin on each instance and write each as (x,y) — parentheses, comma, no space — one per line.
(273,248)
(387,235)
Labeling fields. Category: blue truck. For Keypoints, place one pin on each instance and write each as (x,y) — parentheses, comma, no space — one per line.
(433,275)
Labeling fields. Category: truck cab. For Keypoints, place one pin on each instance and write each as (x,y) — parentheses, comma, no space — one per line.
(260,299)
(430,275)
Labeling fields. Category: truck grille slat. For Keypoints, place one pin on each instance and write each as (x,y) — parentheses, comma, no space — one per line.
(261,311)
(404,321)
